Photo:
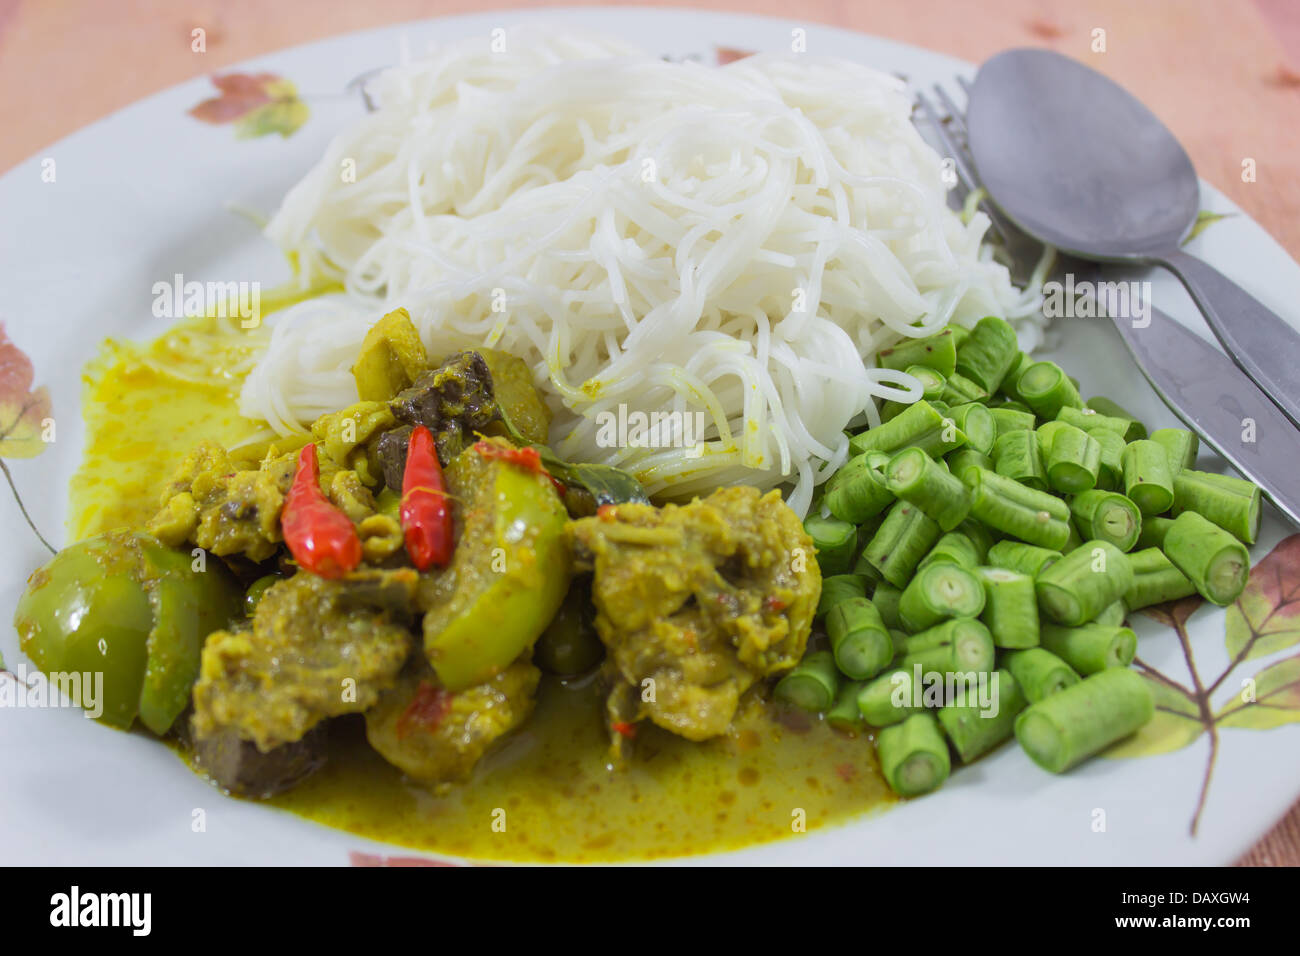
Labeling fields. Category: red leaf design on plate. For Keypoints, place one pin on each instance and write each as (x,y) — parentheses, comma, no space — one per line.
(22,410)
(257,103)
(1266,617)
(726,54)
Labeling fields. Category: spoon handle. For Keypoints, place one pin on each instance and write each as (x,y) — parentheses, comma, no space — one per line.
(1257,339)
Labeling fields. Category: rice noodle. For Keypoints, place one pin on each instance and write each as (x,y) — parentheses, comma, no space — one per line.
(664,236)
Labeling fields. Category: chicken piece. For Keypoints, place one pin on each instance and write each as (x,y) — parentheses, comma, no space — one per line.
(700,600)
(437,736)
(317,649)
(216,506)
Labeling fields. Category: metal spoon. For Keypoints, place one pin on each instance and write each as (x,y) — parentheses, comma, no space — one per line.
(1078,163)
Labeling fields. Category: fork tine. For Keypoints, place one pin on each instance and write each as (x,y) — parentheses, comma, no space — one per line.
(955,113)
(966,180)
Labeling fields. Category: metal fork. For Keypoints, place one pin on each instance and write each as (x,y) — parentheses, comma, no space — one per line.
(1199,383)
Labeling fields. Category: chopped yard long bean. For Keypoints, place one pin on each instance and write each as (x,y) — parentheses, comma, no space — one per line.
(1107,516)
(1010,607)
(1016,455)
(1040,673)
(1025,558)
(1046,389)
(913,755)
(860,641)
(988,353)
(1018,366)
(858,491)
(811,684)
(1232,504)
(1092,647)
(1112,615)
(840,587)
(1181,445)
(976,423)
(920,425)
(1104,406)
(900,543)
(1074,590)
(1066,728)
(915,477)
(962,459)
(1148,480)
(962,645)
(835,541)
(1087,419)
(1156,580)
(959,390)
(1025,513)
(1073,461)
(1153,532)
(889,698)
(937,351)
(1007,419)
(886,597)
(844,714)
(974,729)
(937,592)
(1214,560)
(1111,475)
(953,548)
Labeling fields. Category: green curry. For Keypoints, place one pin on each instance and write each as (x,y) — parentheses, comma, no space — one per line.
(478,717)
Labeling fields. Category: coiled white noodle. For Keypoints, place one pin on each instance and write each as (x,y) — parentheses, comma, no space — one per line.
(662,236)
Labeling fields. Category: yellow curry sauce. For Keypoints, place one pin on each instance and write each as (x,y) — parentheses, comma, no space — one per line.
(546,794)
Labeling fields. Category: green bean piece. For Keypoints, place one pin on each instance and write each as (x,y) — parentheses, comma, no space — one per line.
(955,547)
(963,459)
(1040,673)
(886,598)
(812,684)
(1074,590)
(915,477)
(1181,445)
(857,491)
(1156,580)
(1025,558)
(1021,512)
(840,587)
(1104,406)
(959,390)
(860,642)
(1046,389)
(1010,607)
(988,353)
(1112,445)
(1088,419)
(863,568)
(889,698)
(1112,615)
(902,540)
(1092,647)
(1153,532)
(1074,540)
(1231,503)
(1213,559)
(844,714)
(920,426)
(959,645)
(959,334)
(1016,455)
(933,382)
(937,351)
(974,729)
(913,755)
(980,536)
(835,540)
(1073,461)
(938,592)
(976,423)
(1065,729)
(1107,516)
(1007,419)
(1147,478)
(1018,366)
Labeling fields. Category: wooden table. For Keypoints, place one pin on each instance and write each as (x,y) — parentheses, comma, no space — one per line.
(1224,74)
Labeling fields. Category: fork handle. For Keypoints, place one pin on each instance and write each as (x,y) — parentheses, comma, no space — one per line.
(1257,339)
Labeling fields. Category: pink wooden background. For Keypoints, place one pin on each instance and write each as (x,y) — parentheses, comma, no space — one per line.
(1224,74)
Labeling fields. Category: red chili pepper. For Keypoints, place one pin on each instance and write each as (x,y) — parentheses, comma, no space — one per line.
(426,711)
(320,536)
(529,459)
(426,517)
(624,728)
(773,604)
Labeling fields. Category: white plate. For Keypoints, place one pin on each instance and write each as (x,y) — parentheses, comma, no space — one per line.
(142,195)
